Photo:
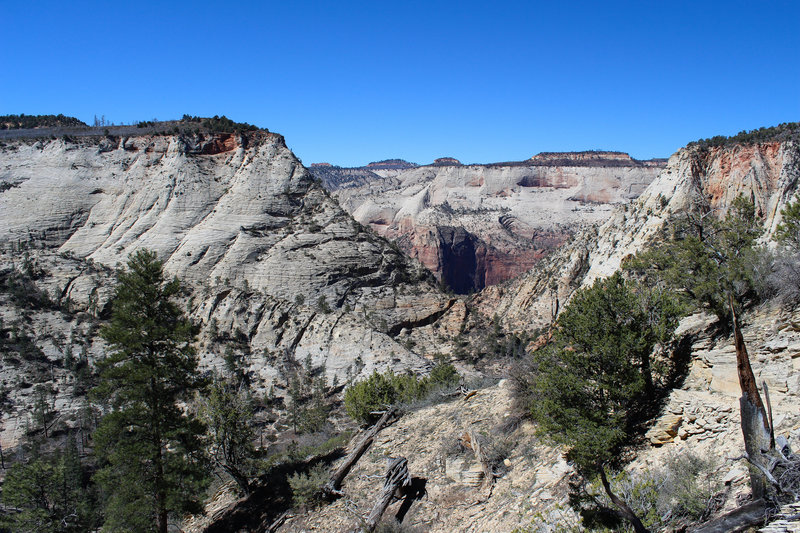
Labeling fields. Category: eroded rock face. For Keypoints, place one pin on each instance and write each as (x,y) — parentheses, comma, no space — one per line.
(507,216)
(272,264)
(710,177)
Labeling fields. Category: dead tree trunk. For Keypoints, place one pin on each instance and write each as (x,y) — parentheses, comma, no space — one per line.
(488,473)
(623,507)
(755,428)
(397,476)
(331,489)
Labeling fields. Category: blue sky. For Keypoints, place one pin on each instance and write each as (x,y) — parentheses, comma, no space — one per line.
(354,82)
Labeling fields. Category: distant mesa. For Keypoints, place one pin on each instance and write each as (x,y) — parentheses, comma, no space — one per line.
(591,158)
(321,165)
(390,164)
(588,155)
(446,161)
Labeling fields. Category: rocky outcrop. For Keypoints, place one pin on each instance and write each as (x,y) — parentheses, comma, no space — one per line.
(709,178)
(275,269)
(532,488)
(508,215)
(533,478)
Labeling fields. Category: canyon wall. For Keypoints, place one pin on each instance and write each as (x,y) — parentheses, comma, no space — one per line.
(700,177)
(478,225)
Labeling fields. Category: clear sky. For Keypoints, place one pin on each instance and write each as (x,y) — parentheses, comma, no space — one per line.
(354,82)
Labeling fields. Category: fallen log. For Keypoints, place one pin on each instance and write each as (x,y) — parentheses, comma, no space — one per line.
(397,476)
(331,489)
(744,517)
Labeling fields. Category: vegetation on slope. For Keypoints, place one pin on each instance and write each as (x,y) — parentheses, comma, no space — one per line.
(23,121)
(782,132)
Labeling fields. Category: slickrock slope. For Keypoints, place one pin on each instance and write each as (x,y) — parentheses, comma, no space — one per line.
(766,172)
(478,225)
(273,265)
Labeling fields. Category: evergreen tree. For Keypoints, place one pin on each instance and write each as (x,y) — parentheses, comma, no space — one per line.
(227,410)
(595,383)
(50,493)
(596,380)
(150,449)
(788,231)
(709,260)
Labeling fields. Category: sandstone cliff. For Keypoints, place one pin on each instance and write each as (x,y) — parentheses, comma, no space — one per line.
(479,225)
(274,267)
(700,417)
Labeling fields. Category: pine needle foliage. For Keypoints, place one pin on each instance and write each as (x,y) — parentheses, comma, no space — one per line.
(708,260)
(49,493)
(788,231)
(150,449)
(596,382)
(228,412)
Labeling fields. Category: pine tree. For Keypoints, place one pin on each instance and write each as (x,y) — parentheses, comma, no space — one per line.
(595,383)
(49,494)
(151,451)
(708,260)
(228,412)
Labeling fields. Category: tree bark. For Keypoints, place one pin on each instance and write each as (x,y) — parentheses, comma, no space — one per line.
(755,428)
(331,489)
(488,473)
(242,480)
(396,476)
(622,505)
(747,380)
(755,440)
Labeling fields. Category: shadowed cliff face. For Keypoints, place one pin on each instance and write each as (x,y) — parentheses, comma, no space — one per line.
(508,215)
(463,262)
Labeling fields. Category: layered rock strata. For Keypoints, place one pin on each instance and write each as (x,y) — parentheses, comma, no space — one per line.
(479,225)
(708,178)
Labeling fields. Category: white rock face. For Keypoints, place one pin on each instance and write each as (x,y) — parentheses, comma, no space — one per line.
(270,260)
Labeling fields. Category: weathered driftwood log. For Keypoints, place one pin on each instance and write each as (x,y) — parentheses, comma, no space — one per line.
(397,476)
(740,519)
(331,489)
(278,522)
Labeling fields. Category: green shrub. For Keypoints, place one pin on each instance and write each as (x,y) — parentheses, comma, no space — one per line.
(380,391)
(444,374)
(322,305)
(377,392)
(306,485)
